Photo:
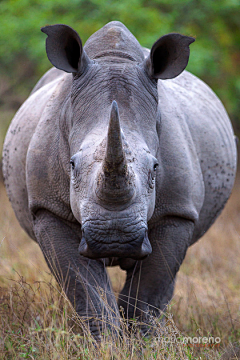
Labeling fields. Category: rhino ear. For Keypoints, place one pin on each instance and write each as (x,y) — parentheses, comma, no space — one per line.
(64,48)
(169,56)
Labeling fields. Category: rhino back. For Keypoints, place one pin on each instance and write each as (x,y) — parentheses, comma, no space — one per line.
(51,75)
(18,138)
(197,151)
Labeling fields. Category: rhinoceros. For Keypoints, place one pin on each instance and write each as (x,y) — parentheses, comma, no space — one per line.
(118,157)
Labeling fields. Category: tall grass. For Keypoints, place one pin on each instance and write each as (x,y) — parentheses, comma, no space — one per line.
(37,321)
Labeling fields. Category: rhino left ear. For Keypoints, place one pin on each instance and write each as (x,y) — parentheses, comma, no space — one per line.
(64,48)
(169,56)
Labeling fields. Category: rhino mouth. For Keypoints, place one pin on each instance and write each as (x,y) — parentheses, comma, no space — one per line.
(116,246)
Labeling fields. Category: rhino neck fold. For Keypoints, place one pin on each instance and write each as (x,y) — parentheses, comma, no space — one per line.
(115,181)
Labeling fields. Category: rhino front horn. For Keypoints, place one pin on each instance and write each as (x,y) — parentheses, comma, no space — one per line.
(114,157)
(115,183)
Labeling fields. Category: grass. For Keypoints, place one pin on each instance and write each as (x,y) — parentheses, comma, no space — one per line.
(37,321)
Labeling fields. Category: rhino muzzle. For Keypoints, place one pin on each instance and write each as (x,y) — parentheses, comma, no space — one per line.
(138,249)
(115,181)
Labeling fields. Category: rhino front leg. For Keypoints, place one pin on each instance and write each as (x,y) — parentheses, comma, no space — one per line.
(85,281)
(150,283)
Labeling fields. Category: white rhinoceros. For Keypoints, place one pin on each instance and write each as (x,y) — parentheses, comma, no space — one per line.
(121,162)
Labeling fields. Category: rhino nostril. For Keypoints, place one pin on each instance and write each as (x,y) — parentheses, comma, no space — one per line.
(146,247)
(83,248)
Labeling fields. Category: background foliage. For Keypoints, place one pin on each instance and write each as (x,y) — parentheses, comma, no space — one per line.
(215,56)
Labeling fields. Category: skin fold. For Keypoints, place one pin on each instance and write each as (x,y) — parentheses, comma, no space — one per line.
(118,157)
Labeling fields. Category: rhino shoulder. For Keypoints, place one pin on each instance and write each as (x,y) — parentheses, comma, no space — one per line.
(194,118)
(190,86)
(16,146)
(48,154)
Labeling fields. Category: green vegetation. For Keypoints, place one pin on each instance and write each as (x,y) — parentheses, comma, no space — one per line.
(214,56)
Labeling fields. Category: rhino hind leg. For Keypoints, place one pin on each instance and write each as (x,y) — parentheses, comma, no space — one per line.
(150,283)
(84,281)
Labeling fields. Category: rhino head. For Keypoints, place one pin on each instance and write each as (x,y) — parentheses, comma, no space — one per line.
(113,126)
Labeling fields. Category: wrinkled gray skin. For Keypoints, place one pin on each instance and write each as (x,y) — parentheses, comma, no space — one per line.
(117,160)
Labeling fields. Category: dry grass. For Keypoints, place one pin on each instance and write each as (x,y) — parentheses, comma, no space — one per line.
(37,321)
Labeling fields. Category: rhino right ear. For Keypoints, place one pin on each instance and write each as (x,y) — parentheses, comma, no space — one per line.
(64,48)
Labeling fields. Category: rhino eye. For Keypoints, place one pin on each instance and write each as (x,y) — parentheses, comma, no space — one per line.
(155,166)
(72,164)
